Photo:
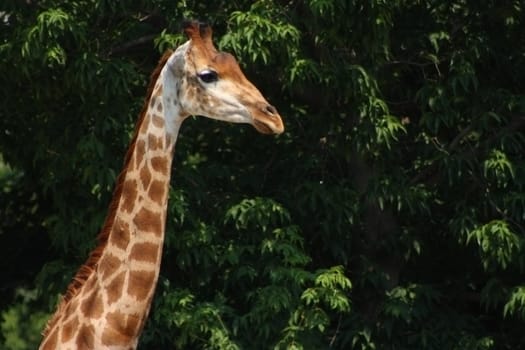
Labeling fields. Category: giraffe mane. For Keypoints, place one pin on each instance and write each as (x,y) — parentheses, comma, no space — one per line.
(89,266)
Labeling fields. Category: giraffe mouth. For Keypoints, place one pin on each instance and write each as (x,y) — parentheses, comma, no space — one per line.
(262,128)
(269,125)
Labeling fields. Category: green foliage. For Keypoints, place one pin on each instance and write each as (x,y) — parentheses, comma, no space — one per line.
(498,168)
(329,285)
(260,33)
(516,303)
(20,324)
(498,245)
(389,215)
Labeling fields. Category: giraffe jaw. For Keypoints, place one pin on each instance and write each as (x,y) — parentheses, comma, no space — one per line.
(263,122)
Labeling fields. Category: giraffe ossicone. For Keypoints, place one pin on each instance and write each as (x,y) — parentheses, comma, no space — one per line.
(108,301)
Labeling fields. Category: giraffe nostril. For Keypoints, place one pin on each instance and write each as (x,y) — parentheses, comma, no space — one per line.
(271,109)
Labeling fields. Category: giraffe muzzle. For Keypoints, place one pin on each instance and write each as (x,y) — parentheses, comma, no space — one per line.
(268,120)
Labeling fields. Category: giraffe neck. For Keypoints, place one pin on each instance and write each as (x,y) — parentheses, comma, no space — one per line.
(110,307)
(129,266)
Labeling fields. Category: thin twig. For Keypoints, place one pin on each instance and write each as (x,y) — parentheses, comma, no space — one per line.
(332,341)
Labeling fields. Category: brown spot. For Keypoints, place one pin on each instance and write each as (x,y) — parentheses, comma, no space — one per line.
(157,190)
(152,101)
(68,329)
(140,150)
(133,323)
(145,177)
(158,121)
(115,287)
(129,195)
(85,337)
(159,107)
(51,342)
(120,328)
(92,305)
(160,164)
(108,265)
(147,251)
(141,283)
(120,235)
(111,337)
(154,142)
(148,221)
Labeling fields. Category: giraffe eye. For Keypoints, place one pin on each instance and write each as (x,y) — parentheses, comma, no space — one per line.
(208,76)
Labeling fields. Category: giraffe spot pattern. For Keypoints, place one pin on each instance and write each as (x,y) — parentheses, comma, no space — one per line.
(148,221)
(89,285)
(86,337)
(129,195)
(141,283)
(120,328)
(154,142)
(71,307)
(68,329)
(120,236)
(145,176)
(160,164)
(158,121)
(157,191)
(140,150)
(115,287)
(152,101)
(146,251)
(133,323)
(92,306)
(51,341)
(108,265)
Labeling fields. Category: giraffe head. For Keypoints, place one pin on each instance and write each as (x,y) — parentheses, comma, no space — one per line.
(213,85)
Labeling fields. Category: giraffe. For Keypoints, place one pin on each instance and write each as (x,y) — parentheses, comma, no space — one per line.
(108,300)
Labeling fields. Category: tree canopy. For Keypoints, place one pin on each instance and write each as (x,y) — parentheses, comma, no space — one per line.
(389,215)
